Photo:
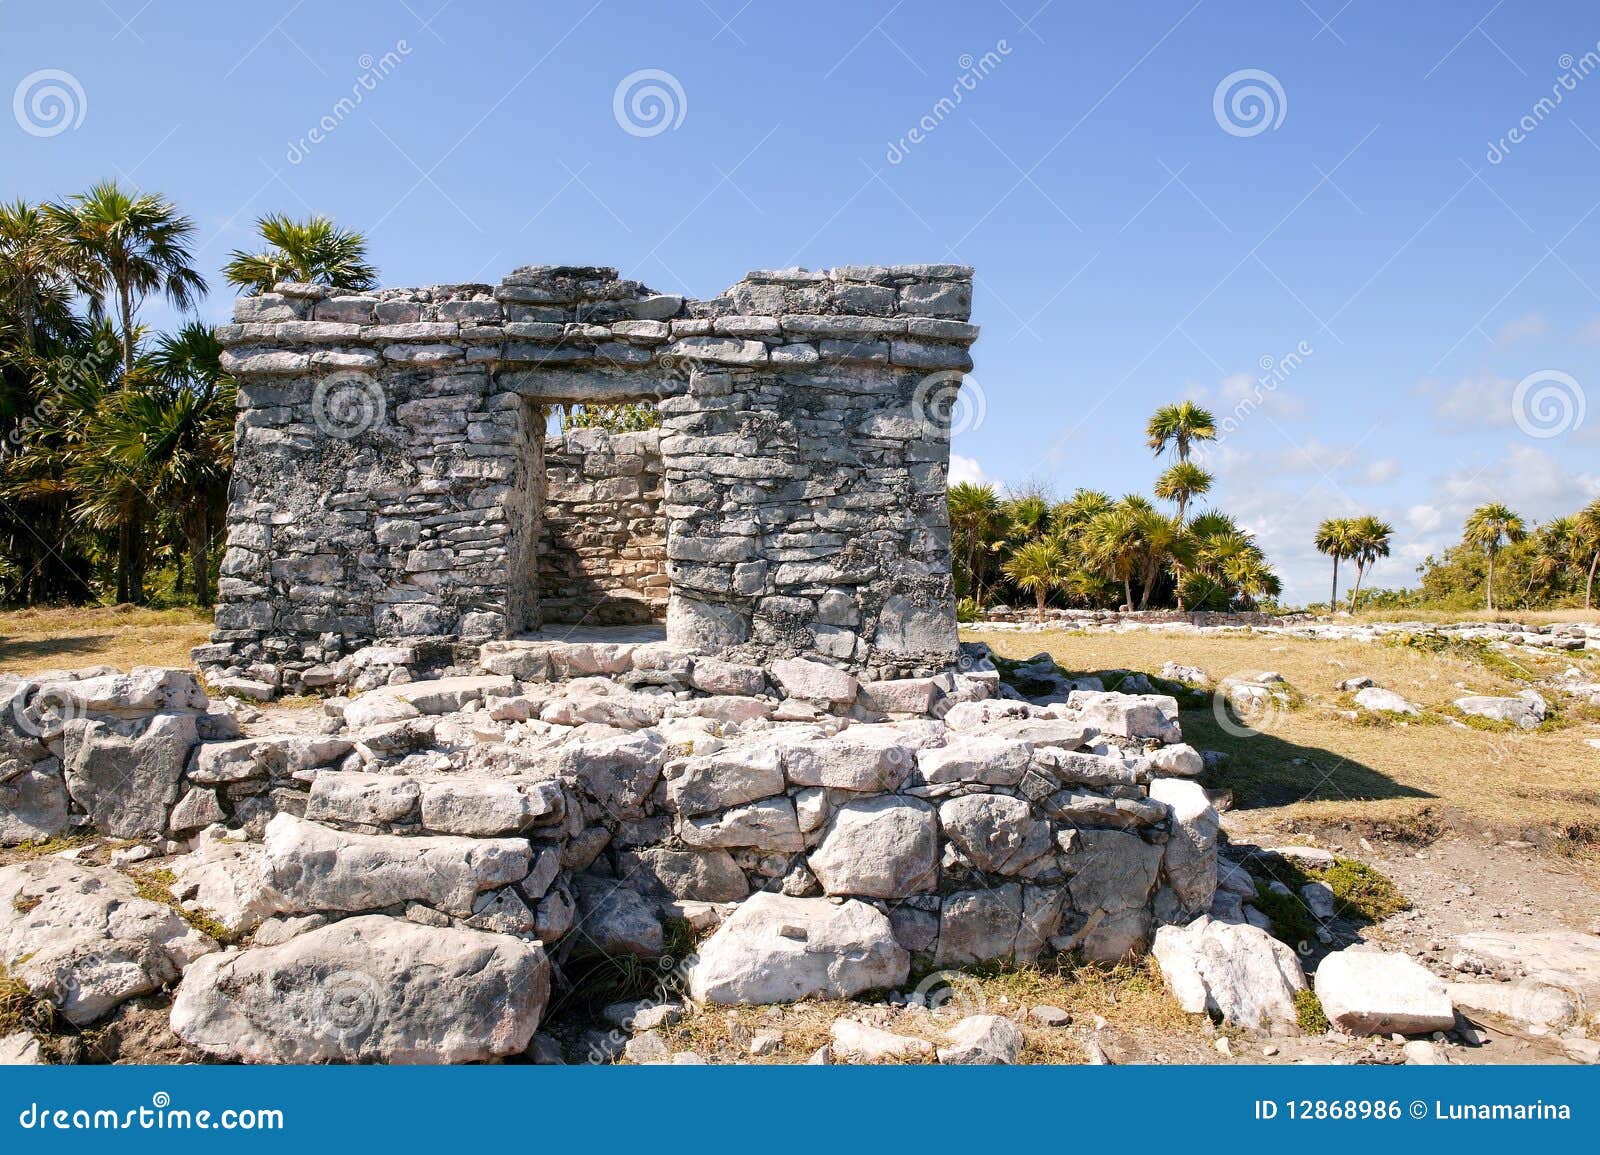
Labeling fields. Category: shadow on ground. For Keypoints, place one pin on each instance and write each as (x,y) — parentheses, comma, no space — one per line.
(1264,770)
(13,650)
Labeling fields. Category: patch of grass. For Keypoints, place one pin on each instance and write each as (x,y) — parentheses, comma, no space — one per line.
(1308,1012)
(123,636)
(155,884)
(26,850)
(22,1010)
(1362,893)
(23,903)
(1291,921)
(1130,997)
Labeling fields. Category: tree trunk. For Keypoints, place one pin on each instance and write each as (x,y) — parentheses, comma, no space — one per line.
(125,301)
(1127,589)
(1361,571)
(1040,594)
(1588,586)
(1333,600)
(124,571)
(1488,588)
(199,562)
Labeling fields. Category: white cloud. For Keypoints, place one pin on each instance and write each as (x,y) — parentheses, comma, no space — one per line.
(1591,331)
(1473,402)
(967,469)
(1520,328)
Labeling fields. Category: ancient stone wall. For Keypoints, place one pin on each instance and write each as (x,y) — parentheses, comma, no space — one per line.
(388,478)
(602,553)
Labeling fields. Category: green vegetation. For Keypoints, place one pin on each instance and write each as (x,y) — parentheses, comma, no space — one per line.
(1360,892)
(116,443)
(1094,551)
(22,1010)
(627,417)
(155,885)
(1291,921)
(1308,1012)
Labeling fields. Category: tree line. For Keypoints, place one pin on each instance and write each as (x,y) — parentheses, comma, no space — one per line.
(116,442)
(1097,552)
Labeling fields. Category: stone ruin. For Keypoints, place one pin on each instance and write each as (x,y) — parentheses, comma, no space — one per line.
(394,480)
(805,771)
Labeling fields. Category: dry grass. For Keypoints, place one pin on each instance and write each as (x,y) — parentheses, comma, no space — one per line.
(46,639)
(1317,763)
(1130,999)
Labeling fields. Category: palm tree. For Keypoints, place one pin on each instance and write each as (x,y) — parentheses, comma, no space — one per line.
(1372,537)
(1181,483)
(1586,536)
(36,285)
(1113,543)
(1030,517)
(1178,425)
(1336,538)
(177,433)
(1163,541)
(1489,527)
(1039,567)
(974,517)
(312,251)
(125,247)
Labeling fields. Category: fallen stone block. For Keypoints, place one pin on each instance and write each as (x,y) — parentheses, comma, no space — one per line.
(776,949)
(367,989)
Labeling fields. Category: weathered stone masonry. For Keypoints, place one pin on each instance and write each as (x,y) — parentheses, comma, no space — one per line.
(390,459)
(602,554)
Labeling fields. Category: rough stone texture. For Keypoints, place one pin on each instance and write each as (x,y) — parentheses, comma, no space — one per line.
(391,476)
(1239,973)
(368,989)
(315,868)
(879,848)
(987,1040)
(864,1043)
(1190,857)
(776,949)
(1372,992)
(125,774)
(82,937)
(602,556)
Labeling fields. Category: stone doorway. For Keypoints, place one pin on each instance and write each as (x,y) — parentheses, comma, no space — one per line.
(599,548)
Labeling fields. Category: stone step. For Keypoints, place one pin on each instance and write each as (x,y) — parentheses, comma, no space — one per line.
(315,868)
(477,807)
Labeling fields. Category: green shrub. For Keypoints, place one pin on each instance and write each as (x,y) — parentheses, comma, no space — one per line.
(1290,919)
(1308,1012)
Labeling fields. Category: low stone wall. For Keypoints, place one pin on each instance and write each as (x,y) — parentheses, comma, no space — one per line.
(602,552)
(1076,619)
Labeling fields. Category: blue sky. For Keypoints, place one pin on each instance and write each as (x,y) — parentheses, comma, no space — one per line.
(1133,246)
